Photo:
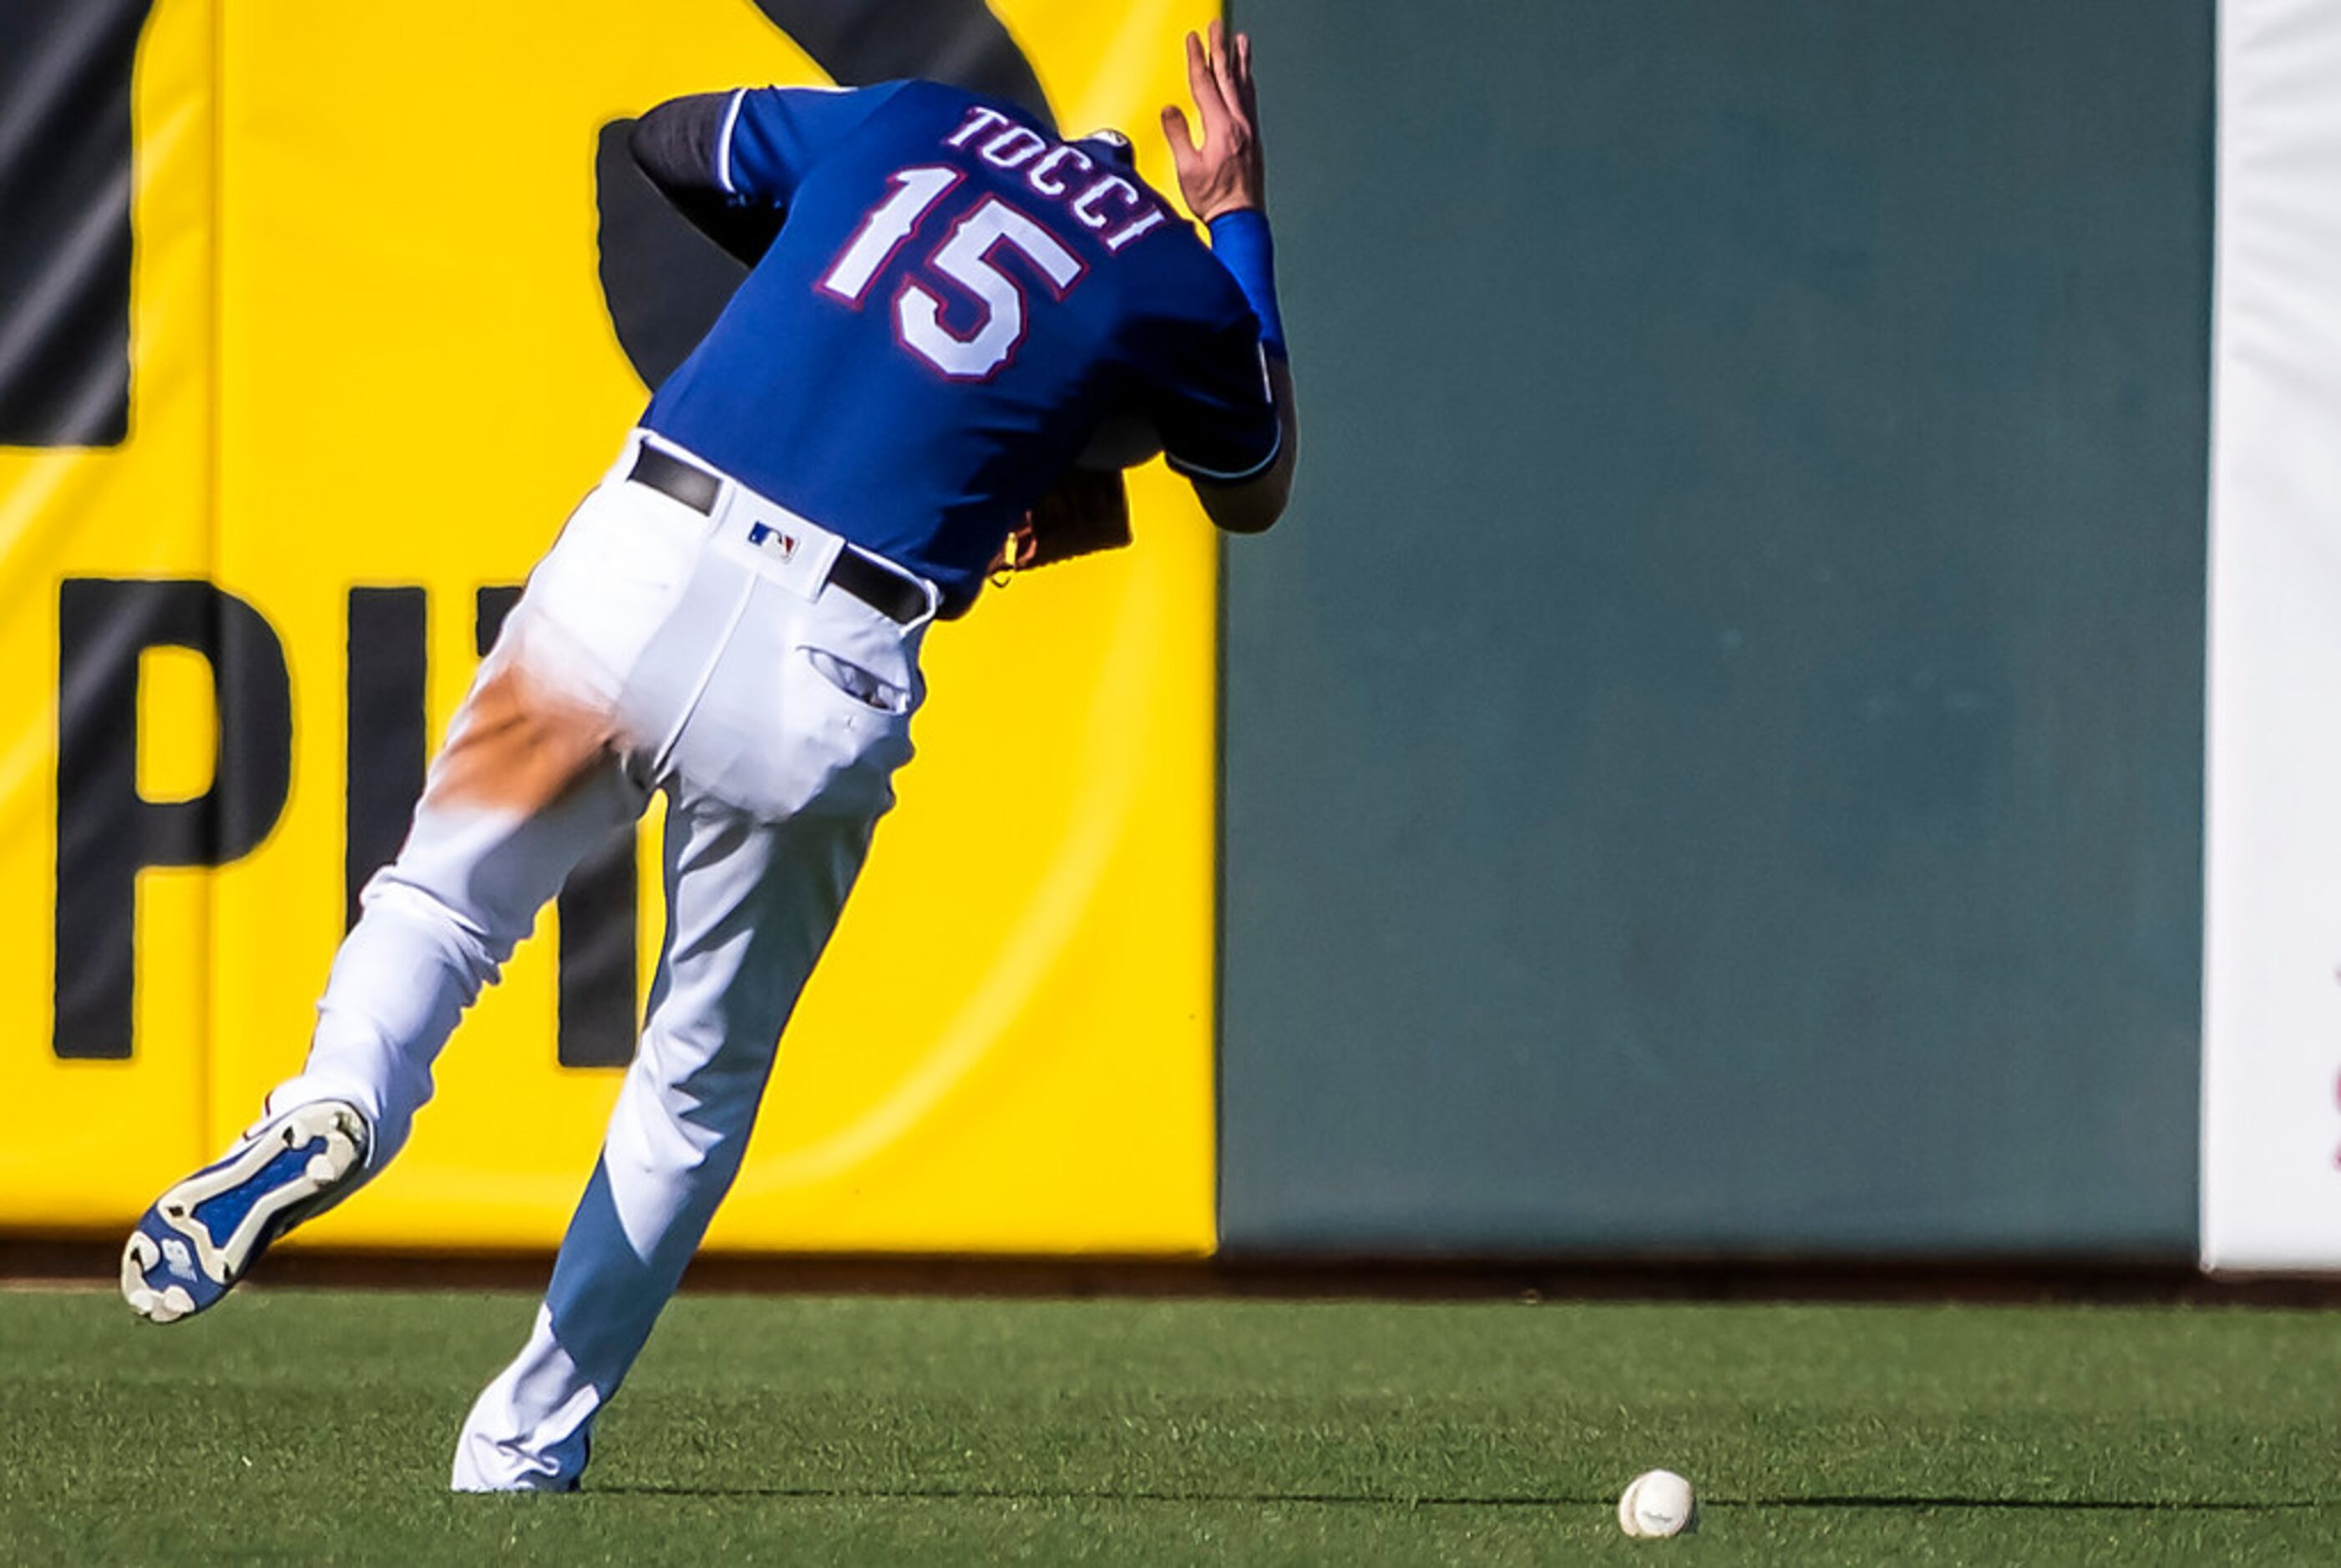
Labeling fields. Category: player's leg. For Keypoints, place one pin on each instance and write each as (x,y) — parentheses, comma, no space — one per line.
(783,769)
(750,906)
(529,782)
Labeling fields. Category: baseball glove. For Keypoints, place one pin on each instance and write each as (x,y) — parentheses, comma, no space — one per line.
(1085,512)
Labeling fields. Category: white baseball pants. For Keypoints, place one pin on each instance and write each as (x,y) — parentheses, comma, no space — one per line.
(654,649)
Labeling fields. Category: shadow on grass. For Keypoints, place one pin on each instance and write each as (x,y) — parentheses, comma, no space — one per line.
(1410,1499)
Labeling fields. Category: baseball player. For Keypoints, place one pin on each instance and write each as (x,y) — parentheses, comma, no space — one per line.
(947,303)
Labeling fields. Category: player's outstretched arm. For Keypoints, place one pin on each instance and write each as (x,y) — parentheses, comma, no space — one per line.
(1225,182)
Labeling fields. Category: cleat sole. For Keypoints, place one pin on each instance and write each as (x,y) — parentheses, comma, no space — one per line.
(200,1236)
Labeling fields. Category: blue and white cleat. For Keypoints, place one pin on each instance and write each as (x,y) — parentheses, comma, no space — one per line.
(200,1236)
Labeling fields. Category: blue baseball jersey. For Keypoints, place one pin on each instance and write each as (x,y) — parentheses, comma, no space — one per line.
(955,301)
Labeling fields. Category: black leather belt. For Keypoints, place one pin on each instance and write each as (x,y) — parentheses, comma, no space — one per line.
(886,592)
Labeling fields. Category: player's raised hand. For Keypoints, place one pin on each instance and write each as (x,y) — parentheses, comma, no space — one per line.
(1225,173)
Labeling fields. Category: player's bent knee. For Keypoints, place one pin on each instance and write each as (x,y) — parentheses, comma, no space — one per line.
(472,950)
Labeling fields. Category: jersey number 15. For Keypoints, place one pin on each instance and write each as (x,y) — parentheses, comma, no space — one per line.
(967,257)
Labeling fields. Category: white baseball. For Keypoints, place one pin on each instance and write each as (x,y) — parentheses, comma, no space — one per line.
(1658,1502)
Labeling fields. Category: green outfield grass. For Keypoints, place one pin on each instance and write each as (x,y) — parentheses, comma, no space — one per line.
(314,1426)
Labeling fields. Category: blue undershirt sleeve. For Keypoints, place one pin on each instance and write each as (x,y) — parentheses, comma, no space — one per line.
(1242,244)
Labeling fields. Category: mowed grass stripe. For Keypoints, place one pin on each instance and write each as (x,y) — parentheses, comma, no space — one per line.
(316,1426)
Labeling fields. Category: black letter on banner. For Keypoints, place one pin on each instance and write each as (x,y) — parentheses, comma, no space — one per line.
(65,242)
(597,907)
(388,743)
(598,998)
(105,830)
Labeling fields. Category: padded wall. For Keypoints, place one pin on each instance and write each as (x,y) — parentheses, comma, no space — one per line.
(1713,762)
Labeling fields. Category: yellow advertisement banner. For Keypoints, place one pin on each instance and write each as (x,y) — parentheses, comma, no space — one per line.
(439,302)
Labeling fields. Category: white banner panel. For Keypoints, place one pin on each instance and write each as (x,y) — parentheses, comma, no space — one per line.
(2272,980)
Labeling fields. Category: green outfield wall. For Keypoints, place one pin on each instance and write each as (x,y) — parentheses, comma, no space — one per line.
(1713,762)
